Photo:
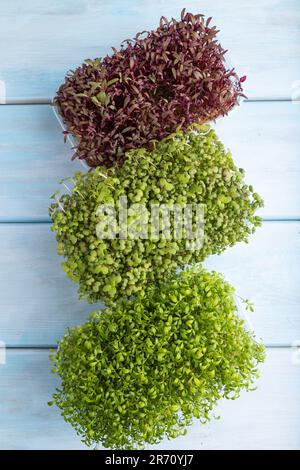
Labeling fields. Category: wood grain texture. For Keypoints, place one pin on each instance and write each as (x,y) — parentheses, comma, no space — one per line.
(40,42)
(264,138)
(265,419)
(46,39)
(38,302)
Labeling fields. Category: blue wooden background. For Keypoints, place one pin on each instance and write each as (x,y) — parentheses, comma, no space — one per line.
(39,42)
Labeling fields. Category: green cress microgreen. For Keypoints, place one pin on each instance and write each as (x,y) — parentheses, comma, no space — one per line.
(176,74)
(141,371)
(185,168)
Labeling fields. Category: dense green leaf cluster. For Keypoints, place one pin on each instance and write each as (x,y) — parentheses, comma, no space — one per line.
(142,370)
(186,168)
(173,75)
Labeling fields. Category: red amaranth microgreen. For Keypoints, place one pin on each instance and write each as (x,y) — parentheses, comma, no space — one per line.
(145,369)
(173,76)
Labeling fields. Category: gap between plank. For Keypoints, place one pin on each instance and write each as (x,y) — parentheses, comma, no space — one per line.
(48,101)
(54,346)
(47,220)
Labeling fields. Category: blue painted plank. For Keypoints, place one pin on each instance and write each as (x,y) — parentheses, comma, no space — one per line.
(266,271)
(43,40)
(27,422)
(33,158)
(272,412)
(264,138)
(38,302)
